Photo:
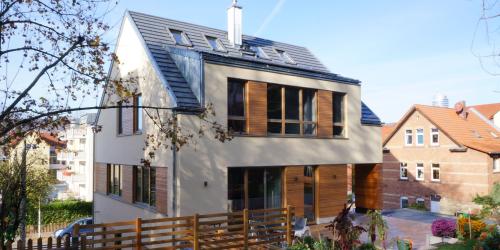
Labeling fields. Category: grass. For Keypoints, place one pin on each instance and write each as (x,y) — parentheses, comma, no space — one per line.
(458,246)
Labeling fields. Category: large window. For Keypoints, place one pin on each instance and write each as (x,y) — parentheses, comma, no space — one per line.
(404,202)
(119,114)
(236,106)
(338,114)
(435,172)
(496,165)
(291,110)
(137,113)
(403,171)
(434,136)
(115,179)
(420,172)
(420,136)
(145,185)
(408,137)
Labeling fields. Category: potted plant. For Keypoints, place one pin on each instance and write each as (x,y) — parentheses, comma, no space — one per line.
(377,226)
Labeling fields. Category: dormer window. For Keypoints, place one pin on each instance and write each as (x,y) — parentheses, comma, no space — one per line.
(285,57)
(259,52)
(180,37)
(215,43)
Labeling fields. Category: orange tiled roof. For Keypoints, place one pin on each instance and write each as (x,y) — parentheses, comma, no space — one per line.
(387,130)
(473,132)
(488,110)
(49,138)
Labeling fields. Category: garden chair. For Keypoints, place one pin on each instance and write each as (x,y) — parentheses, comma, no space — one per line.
(300,227)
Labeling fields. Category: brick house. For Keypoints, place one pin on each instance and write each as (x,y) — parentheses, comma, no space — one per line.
(441,157)
(297,127)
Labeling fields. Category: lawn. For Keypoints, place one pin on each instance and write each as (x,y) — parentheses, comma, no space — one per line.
(458,246)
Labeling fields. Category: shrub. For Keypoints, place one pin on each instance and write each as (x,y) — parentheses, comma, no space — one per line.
(367,246)
(444,228)
(477,227)
(60,212)
(490,239)
(418,206)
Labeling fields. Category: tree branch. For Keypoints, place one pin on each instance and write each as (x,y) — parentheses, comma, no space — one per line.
(31,22)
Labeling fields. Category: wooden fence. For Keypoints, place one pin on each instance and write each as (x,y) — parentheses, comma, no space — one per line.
(246,229)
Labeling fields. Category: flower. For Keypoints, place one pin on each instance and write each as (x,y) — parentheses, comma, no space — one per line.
(483,236)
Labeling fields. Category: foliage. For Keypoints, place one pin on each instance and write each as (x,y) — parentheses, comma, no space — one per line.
(444,228)
(38,188)
(477,227)
(60,211)
(377,226)
(404,244)
(345,234)
(490,239)
(418,206)
(490,203)
(466,245)
(367,246)
(309,243)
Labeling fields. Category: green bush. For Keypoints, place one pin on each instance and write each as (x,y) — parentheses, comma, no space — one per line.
(418,206)
(367,246)
(60,212)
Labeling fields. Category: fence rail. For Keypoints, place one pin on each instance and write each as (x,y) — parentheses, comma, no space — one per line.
(237,230)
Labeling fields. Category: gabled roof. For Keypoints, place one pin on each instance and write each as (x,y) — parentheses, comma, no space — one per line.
(387,130)
(368,117)
(488,110)
(472,132)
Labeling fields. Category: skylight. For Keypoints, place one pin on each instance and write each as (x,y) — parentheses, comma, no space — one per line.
(215,43)
(180,37)
(284,56)
(259,52)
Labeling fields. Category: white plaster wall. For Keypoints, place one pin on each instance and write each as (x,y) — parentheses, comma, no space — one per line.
(109,210)
(208,159)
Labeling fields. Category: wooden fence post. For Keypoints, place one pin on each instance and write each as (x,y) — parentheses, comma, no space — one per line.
(83,243)
(49,243)
(75,235)
(289,225)
(39,244)
(30,244)
(138,233)
(9,245)
(245,228)
(104,236)
(20,244)
(58,242)
(196,243)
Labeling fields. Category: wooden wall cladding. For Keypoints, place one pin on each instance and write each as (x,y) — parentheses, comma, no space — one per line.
(100,178)
(161,190)
(256,108)
(368,186)
(128,183)
(294,189)
(331,190)
(325,114)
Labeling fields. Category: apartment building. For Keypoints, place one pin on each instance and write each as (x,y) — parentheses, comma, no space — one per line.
(441,157)
(296,126)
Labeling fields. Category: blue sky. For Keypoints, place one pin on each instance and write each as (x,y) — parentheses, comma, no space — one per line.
(404,52)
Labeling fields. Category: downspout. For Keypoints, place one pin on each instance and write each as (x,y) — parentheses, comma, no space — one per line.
(174,168)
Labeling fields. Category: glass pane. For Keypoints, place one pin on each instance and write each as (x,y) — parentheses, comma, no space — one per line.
(256,188)
(152,181)
(291,103)
(236,126)
(139,113)
(145,189)
(309,129)
(138,185)
(338,130)
(236,189)
(273,188)
(273,102)
(309,104)
(274,127)
(292,128)
(236,98)
(338,107)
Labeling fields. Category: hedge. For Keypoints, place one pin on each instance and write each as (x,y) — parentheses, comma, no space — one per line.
(60,212)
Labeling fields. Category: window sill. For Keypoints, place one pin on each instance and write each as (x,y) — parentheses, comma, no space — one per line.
(403,179)
(144,206)
(291,136)
(496,171)
(436,181)
(419,180)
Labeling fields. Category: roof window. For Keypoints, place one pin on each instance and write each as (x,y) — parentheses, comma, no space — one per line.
(493,134)
(476,134)
(284,56)
(215,43)
(180,37)
(259,52)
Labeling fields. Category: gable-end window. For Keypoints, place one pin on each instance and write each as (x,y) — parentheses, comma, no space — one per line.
(114,179)
(236,106)
(215,43)
(291,110)
(137,113)
(145,185)
(338,104)
(435,172)
(408,137)
(119,114)
(420,172)
(284,56)
(259,52)
(404,202)
(434,136)
(403,171)
(496,165)
(420,136)
(180,37)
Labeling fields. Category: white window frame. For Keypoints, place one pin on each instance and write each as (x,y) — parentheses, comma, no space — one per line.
(416,171)
(401,166)
(496,165)
(431,137)
(401,201)
(420,199)
(416,137)
(406,137)
(432,172)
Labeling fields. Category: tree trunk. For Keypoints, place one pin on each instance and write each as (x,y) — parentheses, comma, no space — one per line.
(22,208)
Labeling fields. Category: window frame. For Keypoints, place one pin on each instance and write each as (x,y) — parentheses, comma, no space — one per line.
(418,166)
(115,189)
(220,46)
(284,56)
(151,201)
(401,202)
(496,165)
(420,199)
(301,121)
(408,135)
(403,165)
(137,114)
(185,38)
(119,117)
(259,52)
(343,118)
(433,167)
(432,133)
(243,118)
(416,137)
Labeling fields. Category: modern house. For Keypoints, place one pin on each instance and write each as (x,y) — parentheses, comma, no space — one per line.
(77,168)
(296,126)
(441,157)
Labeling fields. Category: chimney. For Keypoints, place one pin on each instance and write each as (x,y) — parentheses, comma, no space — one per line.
(460,109)
(234,26)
